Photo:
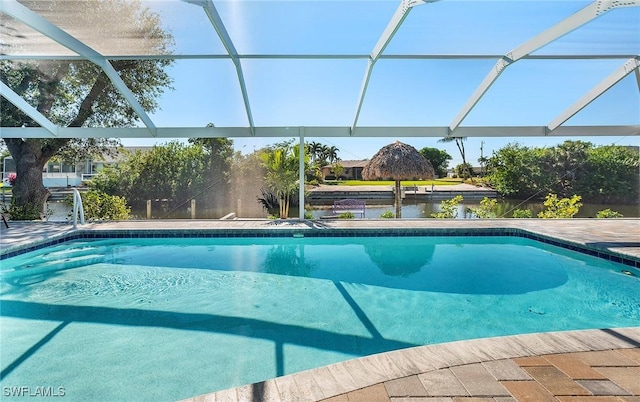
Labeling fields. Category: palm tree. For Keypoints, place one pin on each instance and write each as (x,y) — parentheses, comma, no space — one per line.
(331,153)
(460,144)
(315,150)
(281,163)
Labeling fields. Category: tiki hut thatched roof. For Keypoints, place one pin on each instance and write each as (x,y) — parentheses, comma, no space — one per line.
(398,161)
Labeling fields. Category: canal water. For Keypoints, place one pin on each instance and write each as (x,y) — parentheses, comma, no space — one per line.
(423,209)
(411,209)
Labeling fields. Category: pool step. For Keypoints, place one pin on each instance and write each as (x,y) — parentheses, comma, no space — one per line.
(68,253)
(53,265)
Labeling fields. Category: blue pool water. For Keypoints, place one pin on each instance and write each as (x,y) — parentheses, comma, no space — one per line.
(164,319)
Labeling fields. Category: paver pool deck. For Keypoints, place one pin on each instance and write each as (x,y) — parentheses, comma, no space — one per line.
(591,365)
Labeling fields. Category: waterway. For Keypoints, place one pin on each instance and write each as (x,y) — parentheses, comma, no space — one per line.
(423,209)
(411,209)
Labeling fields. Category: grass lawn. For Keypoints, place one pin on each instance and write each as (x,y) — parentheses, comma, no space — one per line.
(436,182)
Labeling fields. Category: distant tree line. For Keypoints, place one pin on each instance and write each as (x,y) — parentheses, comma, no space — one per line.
(606,174)
(174,172)
(210,172)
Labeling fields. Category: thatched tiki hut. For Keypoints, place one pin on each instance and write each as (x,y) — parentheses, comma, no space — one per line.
(397,162)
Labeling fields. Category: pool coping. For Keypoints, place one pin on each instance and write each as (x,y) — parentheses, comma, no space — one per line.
(343,378)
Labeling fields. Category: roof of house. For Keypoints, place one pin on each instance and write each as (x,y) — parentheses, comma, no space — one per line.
(350,163)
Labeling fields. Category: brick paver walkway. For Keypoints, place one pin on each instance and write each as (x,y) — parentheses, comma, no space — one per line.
(611,375)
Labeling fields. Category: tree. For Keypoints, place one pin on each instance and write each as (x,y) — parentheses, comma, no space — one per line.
(460,144)
(599,174)
(220,152)
(514,171)
(330,154)
(439,159)
(464,170)
(79,94)
(338,170)
(565,163)
(320,155)
(482,160)
(611,175)
(281,163)
(174,172)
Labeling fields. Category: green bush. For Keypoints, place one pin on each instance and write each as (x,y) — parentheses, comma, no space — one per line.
(486,209)
(346,215)
(560,208)
(522,213)
(387,215)
(98,206)
(608,213)
(308,215)
(22,212)
(448,208)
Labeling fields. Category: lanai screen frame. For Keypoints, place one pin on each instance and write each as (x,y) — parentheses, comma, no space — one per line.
(555,127)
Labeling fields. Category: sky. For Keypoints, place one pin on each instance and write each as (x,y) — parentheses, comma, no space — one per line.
(307,92)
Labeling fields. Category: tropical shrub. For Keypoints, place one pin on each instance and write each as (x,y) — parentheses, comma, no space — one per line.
(387,215)
(486,209)
(608,213)
(281,164)
(560,208)
(346,215)
(98,206)
(522,213)
(23,212)
(448,208)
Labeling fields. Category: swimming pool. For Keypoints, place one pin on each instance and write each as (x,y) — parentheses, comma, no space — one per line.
(168,318)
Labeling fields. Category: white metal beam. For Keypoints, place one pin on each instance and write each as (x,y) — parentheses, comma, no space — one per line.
(390,30)
(562,28)
(212,13)
(301,189)
(35,21)
(29,110)
(615,77)
(311,132)
(311,56)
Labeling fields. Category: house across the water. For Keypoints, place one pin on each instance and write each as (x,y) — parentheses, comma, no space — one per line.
(351,170)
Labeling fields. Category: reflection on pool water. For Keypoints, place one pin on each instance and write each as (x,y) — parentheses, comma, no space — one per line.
(164,319)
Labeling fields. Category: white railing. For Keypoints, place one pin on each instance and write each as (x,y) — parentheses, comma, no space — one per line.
(87,176)
(77,207)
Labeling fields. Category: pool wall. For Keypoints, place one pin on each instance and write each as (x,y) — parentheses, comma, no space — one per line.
(324,232)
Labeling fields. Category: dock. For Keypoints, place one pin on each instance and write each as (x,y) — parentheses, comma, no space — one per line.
(326,194)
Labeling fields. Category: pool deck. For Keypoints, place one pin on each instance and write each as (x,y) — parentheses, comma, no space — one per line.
(591,365)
